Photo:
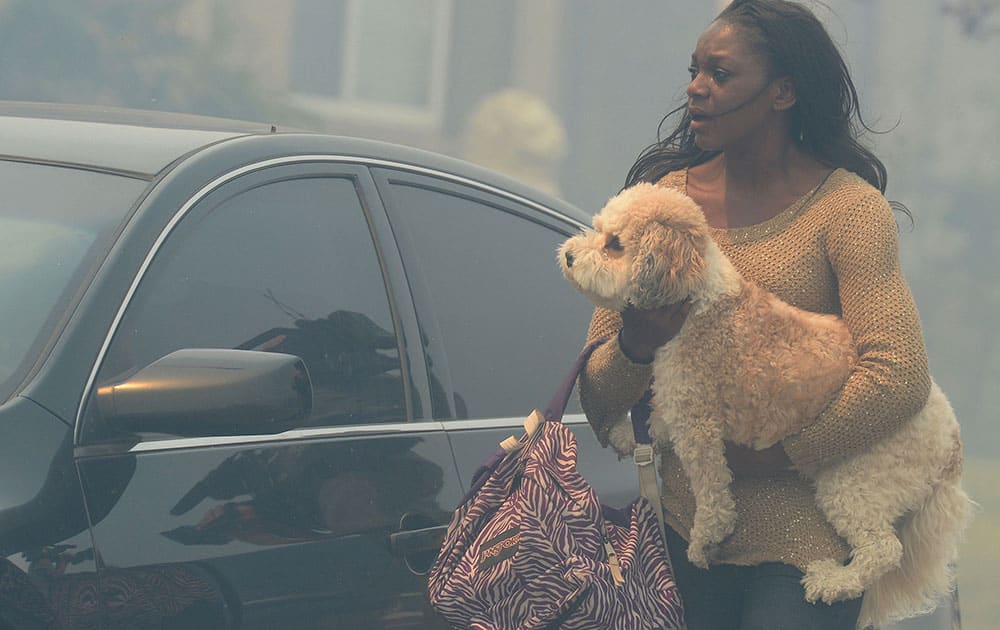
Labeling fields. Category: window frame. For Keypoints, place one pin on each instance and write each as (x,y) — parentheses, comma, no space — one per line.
(477,192)
(256,174)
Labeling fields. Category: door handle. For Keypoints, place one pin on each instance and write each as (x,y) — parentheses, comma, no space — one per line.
(409,542)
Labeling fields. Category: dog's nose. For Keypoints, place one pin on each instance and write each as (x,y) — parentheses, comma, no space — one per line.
(569,259)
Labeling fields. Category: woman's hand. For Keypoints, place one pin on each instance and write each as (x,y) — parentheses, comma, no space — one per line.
(643,331)
(746,462)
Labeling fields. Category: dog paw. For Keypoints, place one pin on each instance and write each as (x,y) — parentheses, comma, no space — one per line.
(701,552)
(727,522)
(698,557)
(621,436)
(829,581)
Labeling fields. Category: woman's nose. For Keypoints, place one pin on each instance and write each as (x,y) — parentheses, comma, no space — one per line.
(696,87)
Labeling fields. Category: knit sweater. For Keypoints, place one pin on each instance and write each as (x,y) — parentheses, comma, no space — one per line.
(834,251)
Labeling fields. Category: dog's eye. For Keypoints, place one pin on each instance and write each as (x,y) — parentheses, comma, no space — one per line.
(614,244)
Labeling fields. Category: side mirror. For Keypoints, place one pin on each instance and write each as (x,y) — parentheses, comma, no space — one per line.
(204,392)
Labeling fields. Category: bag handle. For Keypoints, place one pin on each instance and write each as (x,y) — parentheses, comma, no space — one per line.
(557,405)
(554,413)
(560,399)
(643,456)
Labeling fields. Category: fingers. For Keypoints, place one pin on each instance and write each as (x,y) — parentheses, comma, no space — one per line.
(643,331)
(663,317)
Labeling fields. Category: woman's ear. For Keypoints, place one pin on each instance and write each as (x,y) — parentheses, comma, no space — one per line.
(784,97)
(667,266)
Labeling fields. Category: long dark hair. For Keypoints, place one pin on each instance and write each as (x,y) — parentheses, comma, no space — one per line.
(826,118)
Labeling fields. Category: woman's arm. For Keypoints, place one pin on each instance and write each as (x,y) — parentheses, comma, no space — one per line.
(890,382)
(610,382)
(619,371)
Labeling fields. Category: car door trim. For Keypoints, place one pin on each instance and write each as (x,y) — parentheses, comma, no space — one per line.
(298,435)
(132,447)
(503,423)
(292,435)
(229,176)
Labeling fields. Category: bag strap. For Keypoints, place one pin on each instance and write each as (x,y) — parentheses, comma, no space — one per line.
(645,458)
(643,455)
(553,413)
(557,406)
(640,412)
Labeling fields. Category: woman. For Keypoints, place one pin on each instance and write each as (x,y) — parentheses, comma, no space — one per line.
(767,145)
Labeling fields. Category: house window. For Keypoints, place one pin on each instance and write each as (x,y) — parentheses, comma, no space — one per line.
(375,59)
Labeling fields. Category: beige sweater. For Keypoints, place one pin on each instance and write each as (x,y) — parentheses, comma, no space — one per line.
(836,252)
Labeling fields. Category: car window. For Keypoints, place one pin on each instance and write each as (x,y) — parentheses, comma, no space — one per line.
(502,325)
(287,266)
(55,225)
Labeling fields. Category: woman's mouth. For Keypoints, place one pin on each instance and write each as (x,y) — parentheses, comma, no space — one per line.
(699,119)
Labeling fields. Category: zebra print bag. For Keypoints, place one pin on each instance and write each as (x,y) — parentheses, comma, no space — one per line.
(532,547)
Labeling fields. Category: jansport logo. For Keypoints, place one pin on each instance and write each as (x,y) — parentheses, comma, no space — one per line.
(499,548)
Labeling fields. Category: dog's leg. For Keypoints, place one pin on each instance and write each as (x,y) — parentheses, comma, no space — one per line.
(866,496)
(873,553)
(699,445)
(926,574)
(866,525)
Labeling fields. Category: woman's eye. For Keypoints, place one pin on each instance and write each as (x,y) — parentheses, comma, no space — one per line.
(720,76)
(614,244)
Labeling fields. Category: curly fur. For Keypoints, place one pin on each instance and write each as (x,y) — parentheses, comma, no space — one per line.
(750,368)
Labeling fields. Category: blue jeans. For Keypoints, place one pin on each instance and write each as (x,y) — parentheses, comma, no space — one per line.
(763,597)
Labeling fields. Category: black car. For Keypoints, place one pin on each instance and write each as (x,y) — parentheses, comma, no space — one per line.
(246,375)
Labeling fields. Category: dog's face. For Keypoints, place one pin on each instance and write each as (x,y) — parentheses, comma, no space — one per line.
(647,249)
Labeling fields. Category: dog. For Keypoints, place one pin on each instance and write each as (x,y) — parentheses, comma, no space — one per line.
(752,369)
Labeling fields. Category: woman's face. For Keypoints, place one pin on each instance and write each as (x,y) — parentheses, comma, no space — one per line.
(731,94)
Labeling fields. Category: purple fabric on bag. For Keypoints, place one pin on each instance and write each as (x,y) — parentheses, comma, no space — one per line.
(527,549)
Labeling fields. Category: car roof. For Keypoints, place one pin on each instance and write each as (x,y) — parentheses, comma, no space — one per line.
(143,143)
(106,138)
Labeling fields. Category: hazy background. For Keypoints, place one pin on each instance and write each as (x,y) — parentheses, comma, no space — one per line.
(563,94)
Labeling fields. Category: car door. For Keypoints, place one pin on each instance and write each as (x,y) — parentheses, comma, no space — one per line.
(200,490)
(55,221)
(502,325)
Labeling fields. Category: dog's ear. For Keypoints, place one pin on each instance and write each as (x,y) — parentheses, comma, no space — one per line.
(667,265)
